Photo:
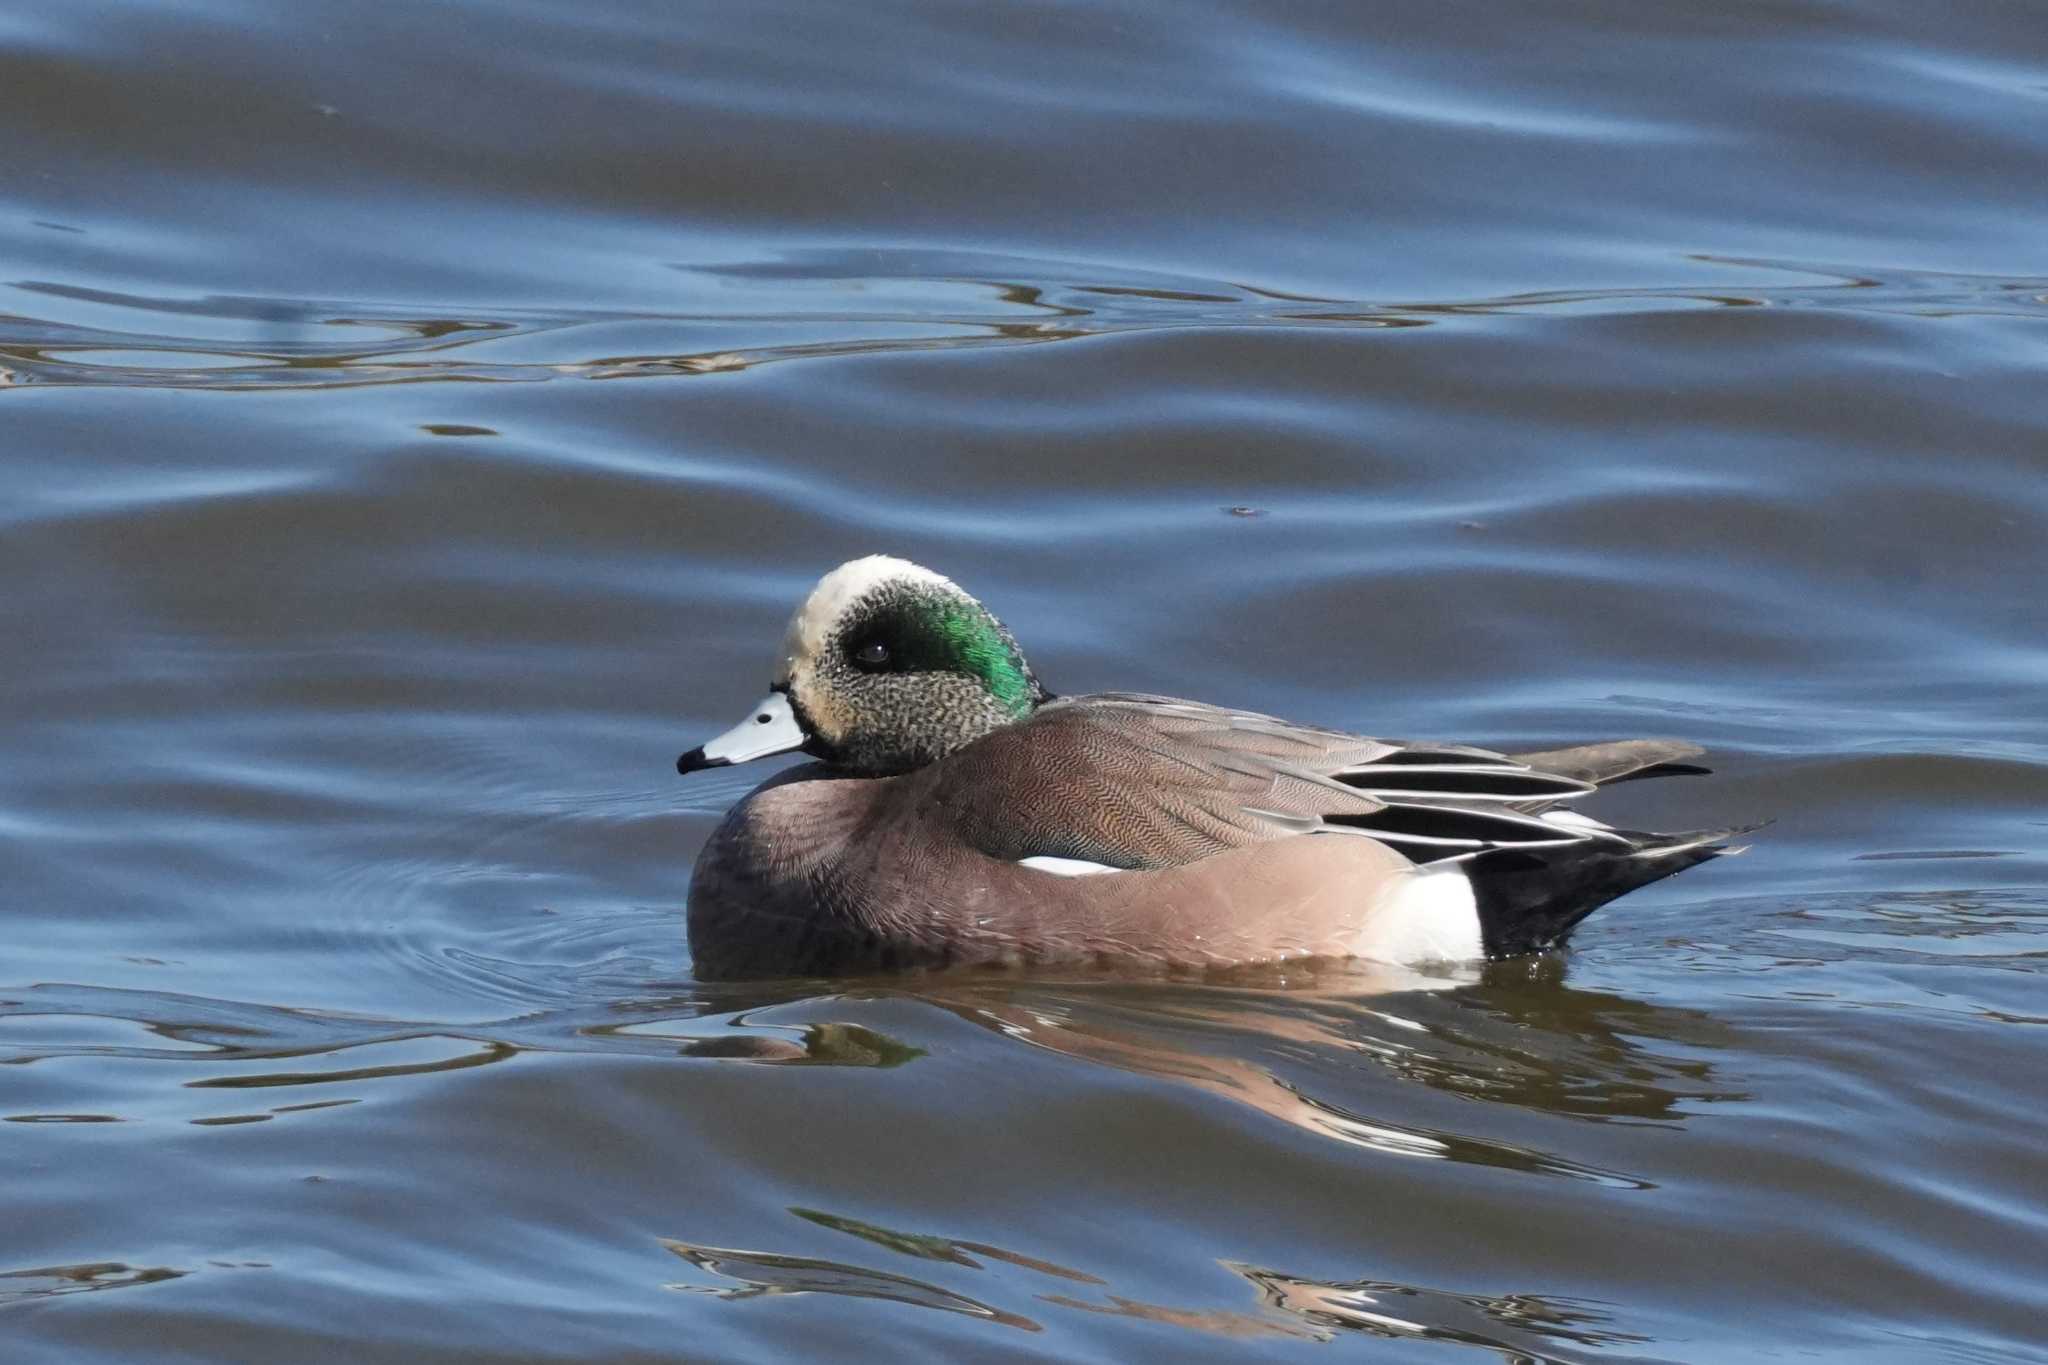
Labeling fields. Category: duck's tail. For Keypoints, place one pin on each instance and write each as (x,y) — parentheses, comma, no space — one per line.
(1530,899)
(1620,760)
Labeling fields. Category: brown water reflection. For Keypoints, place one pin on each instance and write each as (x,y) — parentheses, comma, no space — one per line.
(1506,1034)
(50,1281)
(1521,1326)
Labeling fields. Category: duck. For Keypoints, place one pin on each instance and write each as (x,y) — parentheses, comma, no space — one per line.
(956,813)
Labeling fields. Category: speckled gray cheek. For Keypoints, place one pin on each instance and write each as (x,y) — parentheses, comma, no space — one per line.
(910,719)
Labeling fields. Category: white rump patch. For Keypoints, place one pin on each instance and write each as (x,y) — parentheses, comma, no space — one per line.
(1431,916)
(1065,867)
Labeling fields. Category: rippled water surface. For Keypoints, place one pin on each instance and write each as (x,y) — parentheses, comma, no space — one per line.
(1521,374)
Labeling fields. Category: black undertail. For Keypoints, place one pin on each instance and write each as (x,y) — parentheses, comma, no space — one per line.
(1530,899)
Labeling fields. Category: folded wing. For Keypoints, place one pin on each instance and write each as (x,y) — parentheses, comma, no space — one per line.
(1134,781)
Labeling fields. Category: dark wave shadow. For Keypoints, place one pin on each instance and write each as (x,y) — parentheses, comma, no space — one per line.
(757,1274)
(911,301)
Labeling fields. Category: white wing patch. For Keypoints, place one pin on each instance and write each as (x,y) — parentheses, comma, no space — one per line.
(1065,867)
(1572,819)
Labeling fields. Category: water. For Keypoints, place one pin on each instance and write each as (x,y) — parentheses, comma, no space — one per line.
(1515,374)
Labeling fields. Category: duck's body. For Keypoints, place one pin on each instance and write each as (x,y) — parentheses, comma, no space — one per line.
(1017,828)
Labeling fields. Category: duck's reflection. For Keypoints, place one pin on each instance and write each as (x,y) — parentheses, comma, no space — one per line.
(1317,1047)
(1334,1049)
(1307,1047)
(1320,1310)
(1386,1309)
(1516,1325)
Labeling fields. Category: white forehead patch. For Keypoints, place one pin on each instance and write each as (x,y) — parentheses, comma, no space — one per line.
(835,594)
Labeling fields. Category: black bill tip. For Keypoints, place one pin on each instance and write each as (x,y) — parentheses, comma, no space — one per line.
(695,761)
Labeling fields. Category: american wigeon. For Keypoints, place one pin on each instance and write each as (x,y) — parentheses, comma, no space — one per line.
(960,813)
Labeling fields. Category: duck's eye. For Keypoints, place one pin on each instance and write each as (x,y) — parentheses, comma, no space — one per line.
(871,654)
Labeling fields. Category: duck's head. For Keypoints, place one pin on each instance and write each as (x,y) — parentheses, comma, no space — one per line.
(886,667)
